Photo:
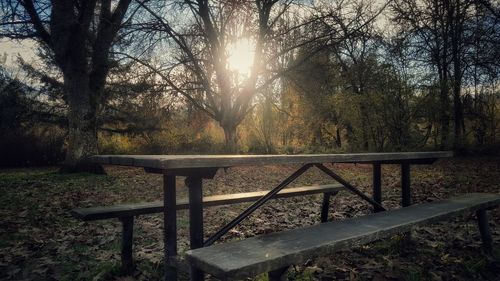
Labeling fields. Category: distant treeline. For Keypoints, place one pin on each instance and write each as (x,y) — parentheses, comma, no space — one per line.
(321,120)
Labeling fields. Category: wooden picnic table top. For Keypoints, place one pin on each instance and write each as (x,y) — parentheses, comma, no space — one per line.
(171,162)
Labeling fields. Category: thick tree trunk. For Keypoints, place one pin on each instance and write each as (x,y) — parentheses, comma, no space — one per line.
(231,139)
(80,35)
(82,125)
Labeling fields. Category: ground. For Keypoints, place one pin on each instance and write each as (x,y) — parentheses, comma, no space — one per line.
(39,240)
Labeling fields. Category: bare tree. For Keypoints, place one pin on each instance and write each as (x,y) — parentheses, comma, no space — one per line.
(203,31)
(80,35)
(203,56)
(444,37)
(426,24)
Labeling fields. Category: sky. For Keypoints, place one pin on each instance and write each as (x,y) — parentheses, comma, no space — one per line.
(14,48)
(27,48)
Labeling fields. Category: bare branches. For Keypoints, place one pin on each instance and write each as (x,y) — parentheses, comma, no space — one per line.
(211,111)
(179,39)
(41,32)
(271,25)
(109,24)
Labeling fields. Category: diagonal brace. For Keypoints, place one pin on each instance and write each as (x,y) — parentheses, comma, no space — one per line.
(256,205)
(349,186)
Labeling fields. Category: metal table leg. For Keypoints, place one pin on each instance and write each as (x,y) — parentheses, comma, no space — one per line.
(194,185)
(170,224)
(405,185)
(377,186)
(405,201)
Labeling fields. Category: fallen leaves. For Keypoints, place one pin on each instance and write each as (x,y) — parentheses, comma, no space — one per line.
(40,241)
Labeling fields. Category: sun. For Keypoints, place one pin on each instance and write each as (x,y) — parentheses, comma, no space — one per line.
(240,56)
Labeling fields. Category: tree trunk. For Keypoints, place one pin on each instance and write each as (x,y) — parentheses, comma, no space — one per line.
(80,35)
(231,139)
(317,139)
(366,145)
(458,116)
(444,100)
(338,140)
(457,78)
(445,120)
(82,125)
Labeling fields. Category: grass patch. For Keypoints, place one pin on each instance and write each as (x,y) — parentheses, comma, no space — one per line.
(475,266)
(413,273)
(389,246)
(305,275)
(98,271)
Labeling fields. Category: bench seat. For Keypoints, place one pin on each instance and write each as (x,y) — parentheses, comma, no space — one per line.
(127,210)
(268,253)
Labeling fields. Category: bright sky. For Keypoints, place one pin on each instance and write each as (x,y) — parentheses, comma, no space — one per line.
(13,49)
(240,52)
(241,55)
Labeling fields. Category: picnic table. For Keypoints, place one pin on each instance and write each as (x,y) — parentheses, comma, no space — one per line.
(198,167)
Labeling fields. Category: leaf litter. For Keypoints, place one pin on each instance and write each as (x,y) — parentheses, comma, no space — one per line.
(39,240)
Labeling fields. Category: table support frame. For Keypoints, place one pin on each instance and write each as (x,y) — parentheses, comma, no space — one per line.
(256,205)
(194,185)
(127,259)
(195,188)
(405,185)
(170,227)
(484,231)
(349,186)
(377,185)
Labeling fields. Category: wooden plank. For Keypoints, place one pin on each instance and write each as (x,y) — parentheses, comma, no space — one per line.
(206,173)
(98,213)
(172,162)
(249,257)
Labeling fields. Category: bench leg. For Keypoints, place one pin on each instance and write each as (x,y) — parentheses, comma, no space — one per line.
(194,185)
(128,266)
(405,202)
(405,185)
(484,230)
(170,231)
(278,274)
(326,205)
(377,186)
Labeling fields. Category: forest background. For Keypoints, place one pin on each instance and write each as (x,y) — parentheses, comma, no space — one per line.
(257,77)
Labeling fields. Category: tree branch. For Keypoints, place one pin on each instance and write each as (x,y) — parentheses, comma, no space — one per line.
(41,32)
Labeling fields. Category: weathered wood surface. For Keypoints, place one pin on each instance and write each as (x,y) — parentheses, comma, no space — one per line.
(236,260)
(98,213)
(171,162)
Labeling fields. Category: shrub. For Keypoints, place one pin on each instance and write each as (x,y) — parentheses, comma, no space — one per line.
(34,147)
